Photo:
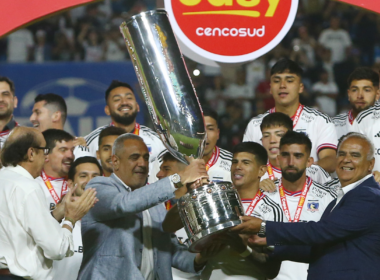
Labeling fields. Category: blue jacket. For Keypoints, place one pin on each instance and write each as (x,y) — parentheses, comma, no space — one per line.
(344,244)
(112,233)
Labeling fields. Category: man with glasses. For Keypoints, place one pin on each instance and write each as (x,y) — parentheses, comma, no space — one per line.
(30,238)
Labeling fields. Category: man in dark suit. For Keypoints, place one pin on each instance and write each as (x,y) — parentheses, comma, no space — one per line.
(345,243)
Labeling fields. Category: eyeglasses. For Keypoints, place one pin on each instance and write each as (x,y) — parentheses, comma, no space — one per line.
(45,150)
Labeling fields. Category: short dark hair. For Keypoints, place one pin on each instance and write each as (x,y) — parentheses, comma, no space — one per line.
(286,65)
(115,84)
(168,157)
(208,112)
(52,136)
(9,82)
(364,73)
(55,100)
(79,161)
(111,130)
(293,137)
(276,119)
(14,152)
(254,148)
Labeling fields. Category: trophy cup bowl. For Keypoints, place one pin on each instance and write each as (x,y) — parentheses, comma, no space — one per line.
(178,119)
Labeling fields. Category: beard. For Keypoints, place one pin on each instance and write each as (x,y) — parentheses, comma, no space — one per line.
(124,120)
(6,114)
(292,177)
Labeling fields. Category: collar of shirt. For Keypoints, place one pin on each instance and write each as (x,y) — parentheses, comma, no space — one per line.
(125,186)
(20,170)
(352,186)
(10,125)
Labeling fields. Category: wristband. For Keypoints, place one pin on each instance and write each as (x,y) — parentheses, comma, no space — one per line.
(71,220)
(246,253)
(68,223)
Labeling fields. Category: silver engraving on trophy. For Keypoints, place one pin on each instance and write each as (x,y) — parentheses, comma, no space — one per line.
(177,117)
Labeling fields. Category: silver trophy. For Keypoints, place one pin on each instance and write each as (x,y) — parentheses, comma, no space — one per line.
(177,117)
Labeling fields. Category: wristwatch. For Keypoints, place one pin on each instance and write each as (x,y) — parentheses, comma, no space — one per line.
(262,231)
(176,180)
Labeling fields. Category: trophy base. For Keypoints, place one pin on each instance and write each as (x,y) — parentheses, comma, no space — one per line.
(201,240)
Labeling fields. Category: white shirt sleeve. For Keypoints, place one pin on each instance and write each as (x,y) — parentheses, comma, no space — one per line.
(55,241)
(252,133)
(327,137)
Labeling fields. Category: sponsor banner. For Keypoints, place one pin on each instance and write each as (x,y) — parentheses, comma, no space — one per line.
(83,86)
(231,31)
(16,13)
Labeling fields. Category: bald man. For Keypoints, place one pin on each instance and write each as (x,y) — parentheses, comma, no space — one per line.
(122,235)
(28,232)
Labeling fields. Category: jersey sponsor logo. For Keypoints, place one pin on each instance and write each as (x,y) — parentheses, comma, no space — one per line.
(338,122)
(265,208)
(318,192)
(377,152)
(377,134)
(226,165)
(313,206)
(307,118)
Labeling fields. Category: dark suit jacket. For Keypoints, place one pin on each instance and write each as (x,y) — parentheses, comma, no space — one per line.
(344,244)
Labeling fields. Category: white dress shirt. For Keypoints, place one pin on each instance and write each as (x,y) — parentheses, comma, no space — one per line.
(30,238)
(348,188)
(147,260)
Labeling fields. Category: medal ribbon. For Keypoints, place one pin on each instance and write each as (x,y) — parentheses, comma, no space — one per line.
(350,117)
(296,116)
(259,195)
(136,131)
(51,189)
(270,171)
(301,202)
(213,159)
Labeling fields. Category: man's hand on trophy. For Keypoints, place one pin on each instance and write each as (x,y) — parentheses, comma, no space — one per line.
(194,175)
(250,225)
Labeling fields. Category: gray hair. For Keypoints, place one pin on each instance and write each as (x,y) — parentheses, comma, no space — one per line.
(118,145)
(371,152)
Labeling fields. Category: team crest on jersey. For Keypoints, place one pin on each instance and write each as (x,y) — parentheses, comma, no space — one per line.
(52,206)
(313,206)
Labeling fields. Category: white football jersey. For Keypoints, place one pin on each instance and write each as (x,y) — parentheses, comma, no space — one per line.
(317,199)
(228,264)
(315,172)
(368,123)
(219,170)
(316,125)
(67,268)
(151,139)
(344,123)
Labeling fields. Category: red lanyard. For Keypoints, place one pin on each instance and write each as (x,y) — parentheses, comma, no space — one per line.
(301,202)
(213,159)
(51,189)
(350,117)
(136,131)
(270,171)
(296,116)
(259,195)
